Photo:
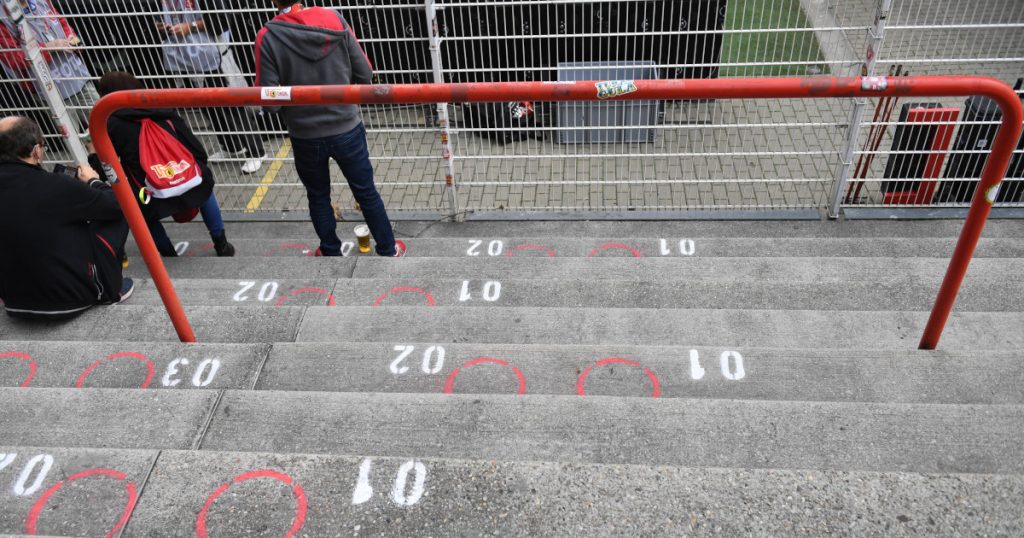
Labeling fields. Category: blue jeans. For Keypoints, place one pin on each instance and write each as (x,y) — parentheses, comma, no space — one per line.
(210,211)
(349,150)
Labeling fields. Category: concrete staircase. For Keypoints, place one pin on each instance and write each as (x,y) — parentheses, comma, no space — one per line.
(533,378)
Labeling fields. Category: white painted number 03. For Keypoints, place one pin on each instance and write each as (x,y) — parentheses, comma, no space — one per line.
(433,359)
(201,377)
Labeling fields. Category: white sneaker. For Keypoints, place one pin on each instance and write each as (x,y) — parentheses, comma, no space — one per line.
(252,165)
(223,155)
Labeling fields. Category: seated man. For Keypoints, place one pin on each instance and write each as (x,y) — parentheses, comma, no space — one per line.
(61,239)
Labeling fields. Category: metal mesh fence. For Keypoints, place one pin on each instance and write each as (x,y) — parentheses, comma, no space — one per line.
(717,154)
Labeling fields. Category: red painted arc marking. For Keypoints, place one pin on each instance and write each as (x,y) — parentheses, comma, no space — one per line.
(580,383)
(201,248)
(150,369)
(428,296)
(551,253)
(31,365)
(300,498)
(129,486)
(636,253)
(297,246)
(300,291)
(450,382)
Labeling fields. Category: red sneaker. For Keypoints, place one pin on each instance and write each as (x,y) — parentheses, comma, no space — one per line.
(399,248)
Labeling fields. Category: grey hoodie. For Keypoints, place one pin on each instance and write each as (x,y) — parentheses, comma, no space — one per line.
(312,46)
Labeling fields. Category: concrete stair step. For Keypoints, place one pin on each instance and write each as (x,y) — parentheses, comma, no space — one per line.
(103,418)
(790,269)
(895,293)
(302,231)
(240,324)
(236,292)
(976,295)
(242,268)
(688,269)
(129,364)
(885,330)
(626,371)
(628,247)
(467,497)
(671,431)
(707,228)
(634,371)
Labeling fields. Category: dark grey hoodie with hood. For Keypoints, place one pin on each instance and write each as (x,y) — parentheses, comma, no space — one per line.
(312,46)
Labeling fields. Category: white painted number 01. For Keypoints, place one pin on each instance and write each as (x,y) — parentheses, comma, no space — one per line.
(491,291)
(731,363)
(405,492)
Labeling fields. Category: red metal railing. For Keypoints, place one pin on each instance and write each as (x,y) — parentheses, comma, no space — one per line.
(819,87)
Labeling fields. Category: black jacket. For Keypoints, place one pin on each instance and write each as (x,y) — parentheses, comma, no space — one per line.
(46,246)
(124,127)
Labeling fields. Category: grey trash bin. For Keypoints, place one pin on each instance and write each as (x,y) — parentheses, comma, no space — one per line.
(612,121)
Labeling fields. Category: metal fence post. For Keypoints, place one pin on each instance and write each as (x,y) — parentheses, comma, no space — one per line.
(45,86)
(876,36)
(447,155)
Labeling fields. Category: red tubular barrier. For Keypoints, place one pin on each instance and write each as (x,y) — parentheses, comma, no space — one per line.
(742,88)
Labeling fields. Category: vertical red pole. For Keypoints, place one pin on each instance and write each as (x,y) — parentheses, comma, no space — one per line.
(137,224)
(984,196)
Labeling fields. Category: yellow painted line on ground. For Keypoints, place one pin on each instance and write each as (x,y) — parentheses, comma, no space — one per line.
(268,178)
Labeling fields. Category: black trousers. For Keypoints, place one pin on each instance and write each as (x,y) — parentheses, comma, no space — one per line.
(109,238)
(230,120)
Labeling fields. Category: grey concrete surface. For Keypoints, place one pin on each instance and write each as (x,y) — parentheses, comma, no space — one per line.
(758,374)
(239,292)
(685,269)
(244,268)
(105,365)
(302,232)
(89,504)
(882,247)
(749,328)
(976,295)
(120,322)
(470,498)
(104,418)
(673,431)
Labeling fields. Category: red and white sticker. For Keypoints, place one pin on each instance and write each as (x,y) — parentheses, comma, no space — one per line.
(279,93)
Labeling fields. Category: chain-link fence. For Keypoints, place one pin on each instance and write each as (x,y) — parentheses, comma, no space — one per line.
(675,155)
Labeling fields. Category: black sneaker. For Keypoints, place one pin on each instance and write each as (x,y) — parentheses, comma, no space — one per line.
(127,287)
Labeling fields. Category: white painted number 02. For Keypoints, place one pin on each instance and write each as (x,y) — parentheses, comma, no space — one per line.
(266,294)
(32,475)
(494,248)
(433,359)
